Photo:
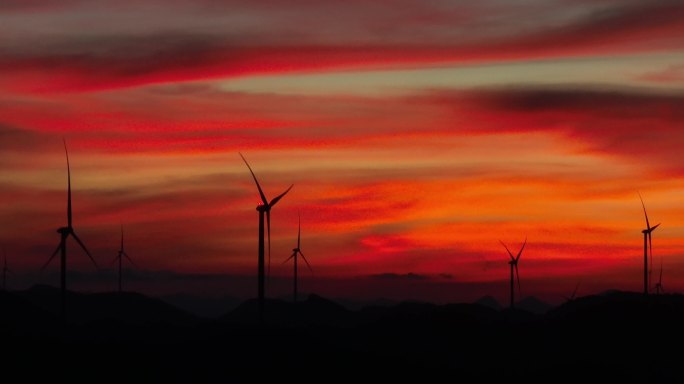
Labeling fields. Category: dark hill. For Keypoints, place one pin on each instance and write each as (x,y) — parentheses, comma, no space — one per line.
(315,310)
(206,307)
(125,307)
(533,305)
(489,302)
(20,314)
(613,338)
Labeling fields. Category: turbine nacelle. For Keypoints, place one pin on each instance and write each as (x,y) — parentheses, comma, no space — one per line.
(651,229)
(64,231)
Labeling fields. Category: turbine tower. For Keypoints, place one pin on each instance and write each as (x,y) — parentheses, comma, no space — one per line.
(264,208)
(295,252)
(119,257)
(514,265)
(648,245)
(65,232)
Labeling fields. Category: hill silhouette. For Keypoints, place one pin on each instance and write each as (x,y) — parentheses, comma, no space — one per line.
(533,305)
(489,302)
(125,307)
(22,315)
(202,306)
(315,310)
(605,337)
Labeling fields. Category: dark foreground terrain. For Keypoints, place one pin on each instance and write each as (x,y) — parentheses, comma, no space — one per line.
(621,337)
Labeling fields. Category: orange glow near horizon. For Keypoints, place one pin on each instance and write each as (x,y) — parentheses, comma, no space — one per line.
(411,153)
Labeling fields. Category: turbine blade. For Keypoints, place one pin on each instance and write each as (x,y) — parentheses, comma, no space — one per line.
(507,250)
(261,193)
(645,214)
(68,185)
(84,248)
(299,231)
(290,258)
(306,261)
(268,225)
(115,258)
(277,198)
(130,260)
(574,293)
(517,277)
(654,227)
(521,251)
(53,255)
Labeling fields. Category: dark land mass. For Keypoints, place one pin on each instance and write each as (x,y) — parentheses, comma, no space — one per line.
(619,337)
(203,306)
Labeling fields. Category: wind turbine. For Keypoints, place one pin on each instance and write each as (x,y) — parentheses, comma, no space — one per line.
(659,284)
(574,293)
(65,232)
(648,245)
(121,255)
(295,252)
(264,208)
(5,271)
(514,265)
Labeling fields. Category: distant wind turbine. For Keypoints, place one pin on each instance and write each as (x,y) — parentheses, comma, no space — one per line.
(119,257)
(65,232)
(514,265)
(264,208)
(648,245)
(5,270)
(659,284)
(295,252)
(574,293)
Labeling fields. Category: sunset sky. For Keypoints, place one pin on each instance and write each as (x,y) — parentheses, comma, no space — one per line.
(417,135)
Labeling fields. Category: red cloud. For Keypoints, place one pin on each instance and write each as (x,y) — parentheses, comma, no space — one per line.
(104,61)
(637,125)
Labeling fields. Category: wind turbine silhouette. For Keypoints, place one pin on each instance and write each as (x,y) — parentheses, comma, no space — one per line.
(648,245)
(121,255)
(514,265)
(264,208)
(659,284)
(5,271)
(295,252)
(574,293)
(65,232)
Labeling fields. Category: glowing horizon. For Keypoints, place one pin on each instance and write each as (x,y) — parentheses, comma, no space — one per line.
(416,136)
